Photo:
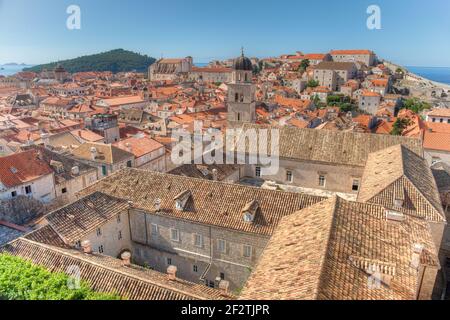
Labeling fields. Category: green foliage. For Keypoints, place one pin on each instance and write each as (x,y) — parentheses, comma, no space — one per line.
(312,83)
(399,70)
(416,105)
(399,126)
(343,102)
(22,280)
(115,61)
(304,65)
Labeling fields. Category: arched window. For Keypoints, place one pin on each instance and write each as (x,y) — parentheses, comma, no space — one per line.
(246,79)
(236,97)
(239,116)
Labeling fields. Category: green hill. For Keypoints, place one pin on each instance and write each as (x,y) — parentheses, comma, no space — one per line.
(118,60)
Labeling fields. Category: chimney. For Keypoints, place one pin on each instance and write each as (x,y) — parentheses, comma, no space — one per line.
(157,205)
(172,272)
(45,139)
(215,175)
(87,248)
(93,153)
(224,286)
(75,171)
(126,259)
(417,252)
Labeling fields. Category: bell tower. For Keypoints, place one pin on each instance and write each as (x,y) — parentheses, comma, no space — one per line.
(241,93)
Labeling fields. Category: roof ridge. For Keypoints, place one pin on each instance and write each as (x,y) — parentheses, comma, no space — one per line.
(82,258)
(336,201)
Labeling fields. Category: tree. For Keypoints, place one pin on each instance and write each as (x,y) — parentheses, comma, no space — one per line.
(118,60)
(399,70)
(346,107)
(312,83)
(399,126)
(22,280)
(304,65)
(416,105)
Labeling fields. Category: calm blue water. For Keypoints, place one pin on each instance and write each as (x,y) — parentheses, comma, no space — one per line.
(439,74)
(10,70)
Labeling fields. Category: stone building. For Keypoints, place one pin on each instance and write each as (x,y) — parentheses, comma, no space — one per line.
(170,69)
(333,75)
(241,94)
(321,160)
(26,174)
(106,125)
(366,56)
(211,74)
(105,157)
(185,222)
(344,261)
(369,102)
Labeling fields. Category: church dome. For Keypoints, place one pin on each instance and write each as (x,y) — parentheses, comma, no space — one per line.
(242,63)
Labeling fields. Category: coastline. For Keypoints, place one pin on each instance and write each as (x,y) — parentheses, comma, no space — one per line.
(418,78)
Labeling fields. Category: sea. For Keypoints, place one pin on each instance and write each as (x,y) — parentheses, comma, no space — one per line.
(438,74)
(9,70)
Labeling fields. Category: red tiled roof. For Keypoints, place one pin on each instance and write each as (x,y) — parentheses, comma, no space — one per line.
(23,167)
(436,141)
(139,146)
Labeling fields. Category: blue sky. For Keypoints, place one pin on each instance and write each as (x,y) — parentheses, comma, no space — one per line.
(414,32)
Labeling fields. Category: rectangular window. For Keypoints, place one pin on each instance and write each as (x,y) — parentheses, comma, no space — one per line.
(322,181)
(120,235)
(174,235)
(247,252)
(198,240)
(78,244)
(195,268)
(99,232)
(13,194)
(155,230)
(222,276)
(101,249)
(119,218)
(28,189)
(129,164)
(104,171)
(289,176)
(258,172)
(355,185)
(222,246)
(169,261)
(64,190)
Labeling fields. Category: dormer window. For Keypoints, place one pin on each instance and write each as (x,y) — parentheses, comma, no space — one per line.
(248,217)
(398,203)
(181,200)
(250,210)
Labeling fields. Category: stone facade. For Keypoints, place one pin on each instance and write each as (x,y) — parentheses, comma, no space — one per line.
(154,247)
